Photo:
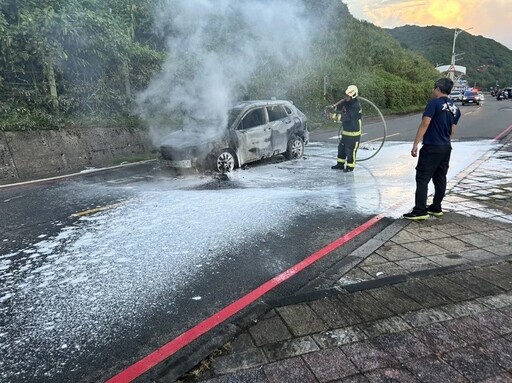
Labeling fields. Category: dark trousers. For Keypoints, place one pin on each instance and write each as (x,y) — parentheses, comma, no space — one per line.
(433,163)
(347,149)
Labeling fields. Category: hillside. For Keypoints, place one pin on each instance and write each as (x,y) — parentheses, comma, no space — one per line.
(353,51)
(487,62)
(68,63)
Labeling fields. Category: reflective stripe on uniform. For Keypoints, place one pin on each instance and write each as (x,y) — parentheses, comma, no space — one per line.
(352,134)
(353,164)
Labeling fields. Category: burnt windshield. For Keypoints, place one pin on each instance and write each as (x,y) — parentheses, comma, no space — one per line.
(232,115)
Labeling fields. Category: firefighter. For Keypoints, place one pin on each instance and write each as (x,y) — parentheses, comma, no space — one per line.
(351,121)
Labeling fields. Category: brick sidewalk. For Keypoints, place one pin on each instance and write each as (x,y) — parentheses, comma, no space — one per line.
(451,328)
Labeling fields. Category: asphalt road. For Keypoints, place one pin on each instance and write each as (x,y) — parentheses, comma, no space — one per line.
(100,269)
(484,121)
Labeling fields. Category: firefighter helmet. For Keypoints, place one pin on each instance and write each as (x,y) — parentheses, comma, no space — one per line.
(352,91)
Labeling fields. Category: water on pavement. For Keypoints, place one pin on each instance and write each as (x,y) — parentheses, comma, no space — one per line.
(66,294)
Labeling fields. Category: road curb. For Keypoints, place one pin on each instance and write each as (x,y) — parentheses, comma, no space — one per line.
(382,282)
(189,357)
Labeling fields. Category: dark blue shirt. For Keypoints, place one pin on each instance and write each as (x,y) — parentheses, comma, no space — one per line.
(444,114)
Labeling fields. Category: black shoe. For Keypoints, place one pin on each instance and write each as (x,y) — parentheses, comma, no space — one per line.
(338,166)
(347,169)
(435,211)
(415,216)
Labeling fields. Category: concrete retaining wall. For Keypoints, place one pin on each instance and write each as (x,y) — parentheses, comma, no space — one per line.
(38,154)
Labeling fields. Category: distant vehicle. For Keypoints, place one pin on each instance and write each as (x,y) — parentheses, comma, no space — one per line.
(471,97)
(456,96)
(482,97)
(503,94)
(255,130)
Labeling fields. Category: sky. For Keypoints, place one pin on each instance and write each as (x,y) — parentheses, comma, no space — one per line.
(488,18)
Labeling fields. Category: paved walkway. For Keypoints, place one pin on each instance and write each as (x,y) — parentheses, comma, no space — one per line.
(421,302)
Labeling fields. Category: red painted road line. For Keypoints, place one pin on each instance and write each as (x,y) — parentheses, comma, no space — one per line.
(503,134)
(164,352)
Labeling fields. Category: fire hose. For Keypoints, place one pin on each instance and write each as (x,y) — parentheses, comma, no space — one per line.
(379,128)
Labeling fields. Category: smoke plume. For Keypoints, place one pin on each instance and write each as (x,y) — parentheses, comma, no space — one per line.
(215,47)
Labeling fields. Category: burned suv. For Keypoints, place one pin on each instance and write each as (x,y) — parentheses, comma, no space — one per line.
(255,130)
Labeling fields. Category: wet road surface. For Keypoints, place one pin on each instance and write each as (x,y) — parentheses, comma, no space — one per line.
(84,296)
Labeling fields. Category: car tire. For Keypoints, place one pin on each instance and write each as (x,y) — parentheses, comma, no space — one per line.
(295,148)
(224,161)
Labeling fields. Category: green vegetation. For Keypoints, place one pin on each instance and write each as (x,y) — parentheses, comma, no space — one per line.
(64,62)
(487,62)
(82,62)
(394,78)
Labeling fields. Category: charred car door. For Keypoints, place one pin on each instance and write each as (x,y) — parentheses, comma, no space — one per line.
(254,136)
(281,123)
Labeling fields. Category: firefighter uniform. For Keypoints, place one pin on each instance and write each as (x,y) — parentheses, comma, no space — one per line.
(351,121)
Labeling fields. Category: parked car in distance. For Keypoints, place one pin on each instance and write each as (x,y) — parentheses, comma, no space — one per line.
(471,97)
(456,96)
(255,130)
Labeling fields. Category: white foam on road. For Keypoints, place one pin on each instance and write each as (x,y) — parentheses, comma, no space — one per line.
(97,279)
(100,277)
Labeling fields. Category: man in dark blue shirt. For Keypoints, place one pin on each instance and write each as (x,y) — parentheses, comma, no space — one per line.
(438,125)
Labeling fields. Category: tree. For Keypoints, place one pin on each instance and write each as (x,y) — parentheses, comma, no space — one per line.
(73,56)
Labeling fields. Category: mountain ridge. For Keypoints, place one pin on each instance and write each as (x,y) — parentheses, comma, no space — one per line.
(488,62)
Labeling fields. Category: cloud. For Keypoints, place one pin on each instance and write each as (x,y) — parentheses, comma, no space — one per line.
(489,18)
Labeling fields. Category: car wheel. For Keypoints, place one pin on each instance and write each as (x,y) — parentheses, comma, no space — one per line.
(224,162)
(295,148)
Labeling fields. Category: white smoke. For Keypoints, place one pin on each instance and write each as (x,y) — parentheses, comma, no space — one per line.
(214,48)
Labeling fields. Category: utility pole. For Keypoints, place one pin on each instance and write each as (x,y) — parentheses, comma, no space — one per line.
(451,72)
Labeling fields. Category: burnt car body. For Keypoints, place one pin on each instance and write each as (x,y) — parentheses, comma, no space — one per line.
(255,130)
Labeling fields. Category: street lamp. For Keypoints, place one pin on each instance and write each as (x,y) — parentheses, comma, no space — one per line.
(451,73)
